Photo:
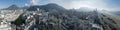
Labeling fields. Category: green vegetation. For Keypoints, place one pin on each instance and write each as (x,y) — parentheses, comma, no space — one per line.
(19,21)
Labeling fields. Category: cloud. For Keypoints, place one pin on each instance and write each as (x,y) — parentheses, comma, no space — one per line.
(26,4)
(100,4)
(80,3)
(69,4)
(34,2)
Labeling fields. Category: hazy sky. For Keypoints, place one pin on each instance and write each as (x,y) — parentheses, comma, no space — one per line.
(100,4)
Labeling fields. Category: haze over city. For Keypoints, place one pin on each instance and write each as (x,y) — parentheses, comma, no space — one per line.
(59,15)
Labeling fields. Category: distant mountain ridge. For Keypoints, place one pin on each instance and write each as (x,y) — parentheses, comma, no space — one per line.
(12,7)
(48,7)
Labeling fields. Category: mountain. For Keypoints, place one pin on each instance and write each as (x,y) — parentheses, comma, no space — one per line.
(12,7)
(48,7)
(25,7)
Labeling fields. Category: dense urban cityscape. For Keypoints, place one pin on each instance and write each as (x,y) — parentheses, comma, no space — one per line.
(52,16)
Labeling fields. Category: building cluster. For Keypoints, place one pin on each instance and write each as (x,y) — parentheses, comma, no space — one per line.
(6,17)
(52,20)
(41,20)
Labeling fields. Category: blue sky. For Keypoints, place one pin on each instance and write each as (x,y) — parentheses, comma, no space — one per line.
(6,3)
(69,4)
